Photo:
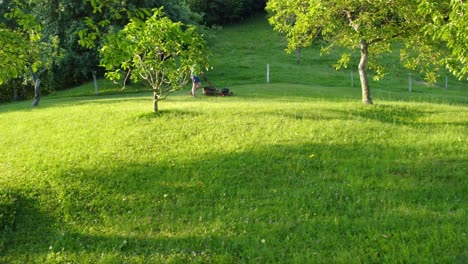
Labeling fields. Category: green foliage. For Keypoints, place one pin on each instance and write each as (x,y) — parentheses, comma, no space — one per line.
(12,54)
(14,90)
(448,23)
(62,19)
(111,14)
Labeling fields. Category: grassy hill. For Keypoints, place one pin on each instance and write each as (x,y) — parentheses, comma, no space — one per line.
(295,171)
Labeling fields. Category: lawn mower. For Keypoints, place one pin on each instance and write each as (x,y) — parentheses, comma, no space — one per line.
(213,91)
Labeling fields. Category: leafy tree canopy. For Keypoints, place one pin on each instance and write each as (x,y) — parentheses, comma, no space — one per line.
(449,23)
(372,27)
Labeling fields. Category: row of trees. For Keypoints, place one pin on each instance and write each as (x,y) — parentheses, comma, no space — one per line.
(54,44)
(63,38)
(434,32)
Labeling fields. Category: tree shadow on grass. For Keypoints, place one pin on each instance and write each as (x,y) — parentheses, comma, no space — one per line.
(406,115)
(262,204)
(28,229)
(181,248)
(176,113)
(65,102)
(389,114)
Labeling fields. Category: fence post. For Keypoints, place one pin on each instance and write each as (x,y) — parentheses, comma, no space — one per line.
(352,79)
(95,83)
(410,83)
(268,73)
(446,82)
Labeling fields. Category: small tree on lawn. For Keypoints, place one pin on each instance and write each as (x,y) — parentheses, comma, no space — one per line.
(158,51)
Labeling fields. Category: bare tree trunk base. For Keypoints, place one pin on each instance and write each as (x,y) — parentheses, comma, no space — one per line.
(36,102)
(37,88)
(155,102)
(366,94)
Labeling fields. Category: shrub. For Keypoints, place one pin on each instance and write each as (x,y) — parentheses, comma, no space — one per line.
(226,11)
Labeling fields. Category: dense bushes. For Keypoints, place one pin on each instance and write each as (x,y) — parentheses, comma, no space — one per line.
(226,11)
(14,90)
(78,63)
(64,19)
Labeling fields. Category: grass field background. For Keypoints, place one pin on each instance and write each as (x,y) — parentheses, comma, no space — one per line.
(295,171)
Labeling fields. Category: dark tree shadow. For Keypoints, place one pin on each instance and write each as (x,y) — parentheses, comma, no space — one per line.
(28,227)
(271,191)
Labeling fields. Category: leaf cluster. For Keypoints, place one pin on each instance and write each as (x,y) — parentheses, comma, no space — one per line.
(448,22)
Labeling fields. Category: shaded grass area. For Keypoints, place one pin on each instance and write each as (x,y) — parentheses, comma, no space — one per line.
(278,173)
(104,88)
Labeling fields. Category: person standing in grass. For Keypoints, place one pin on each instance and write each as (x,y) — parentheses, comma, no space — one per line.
(196,83)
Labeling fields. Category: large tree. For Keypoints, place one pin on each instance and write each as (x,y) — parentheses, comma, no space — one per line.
(158,51)
(370,27)
(25,51)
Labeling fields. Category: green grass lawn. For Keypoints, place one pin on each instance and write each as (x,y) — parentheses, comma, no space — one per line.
(296,171)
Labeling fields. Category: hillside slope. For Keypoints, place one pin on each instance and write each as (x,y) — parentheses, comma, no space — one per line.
(289,172)
(241,54)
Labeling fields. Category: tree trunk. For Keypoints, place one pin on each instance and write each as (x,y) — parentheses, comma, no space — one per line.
(155,101)
(96,88)
(366,96)
(127,79)
(37,88)
(15,94)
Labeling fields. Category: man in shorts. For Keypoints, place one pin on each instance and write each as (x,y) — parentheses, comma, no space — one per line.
(196,83)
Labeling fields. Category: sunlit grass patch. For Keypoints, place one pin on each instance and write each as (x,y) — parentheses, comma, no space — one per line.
(276,173)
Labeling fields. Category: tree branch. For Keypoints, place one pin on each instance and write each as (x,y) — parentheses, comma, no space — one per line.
(373,41)
(350,16)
